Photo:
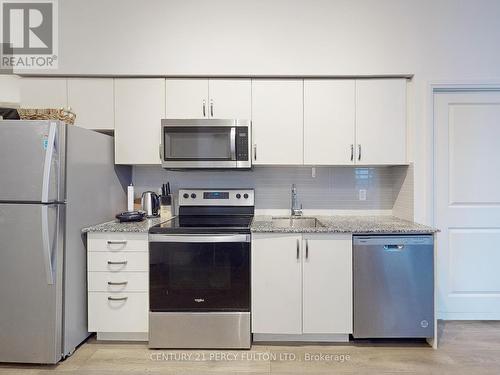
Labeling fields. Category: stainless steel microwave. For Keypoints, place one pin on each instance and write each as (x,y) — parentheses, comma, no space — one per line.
(205,143)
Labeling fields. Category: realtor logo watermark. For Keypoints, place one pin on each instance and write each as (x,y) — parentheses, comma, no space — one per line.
(29,34)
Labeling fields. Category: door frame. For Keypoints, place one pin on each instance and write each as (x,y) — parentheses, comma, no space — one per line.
(434,89)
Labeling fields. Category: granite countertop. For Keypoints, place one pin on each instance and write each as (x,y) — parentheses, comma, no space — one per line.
(263,224)
(346,224)
(116,226)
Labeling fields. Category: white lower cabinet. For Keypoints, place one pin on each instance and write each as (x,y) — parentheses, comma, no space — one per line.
(301,286)
(114,282)
(117,312)
(118,285)
(327,284)
(276,284)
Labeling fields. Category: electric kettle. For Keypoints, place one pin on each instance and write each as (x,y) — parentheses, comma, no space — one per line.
(150,202)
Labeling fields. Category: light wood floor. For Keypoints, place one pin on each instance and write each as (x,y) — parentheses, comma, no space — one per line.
(464,348)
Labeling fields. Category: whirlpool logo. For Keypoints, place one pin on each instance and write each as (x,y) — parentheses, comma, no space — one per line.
(29,34)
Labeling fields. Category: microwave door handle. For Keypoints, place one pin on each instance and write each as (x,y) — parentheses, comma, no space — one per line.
(232,136)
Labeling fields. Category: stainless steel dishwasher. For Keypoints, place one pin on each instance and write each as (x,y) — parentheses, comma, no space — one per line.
(393,286)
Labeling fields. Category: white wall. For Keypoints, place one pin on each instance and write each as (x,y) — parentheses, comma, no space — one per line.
(436,40)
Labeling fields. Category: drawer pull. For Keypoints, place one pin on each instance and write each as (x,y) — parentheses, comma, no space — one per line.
(117,263)
(117,298)
(124,242)
(117,283)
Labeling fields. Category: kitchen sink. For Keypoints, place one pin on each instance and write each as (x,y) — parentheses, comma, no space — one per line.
(296,222)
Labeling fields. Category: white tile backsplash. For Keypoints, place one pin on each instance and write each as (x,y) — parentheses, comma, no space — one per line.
(403,192)
(332,188)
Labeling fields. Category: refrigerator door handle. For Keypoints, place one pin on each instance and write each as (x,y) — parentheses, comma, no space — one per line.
(47,248)
(48,162)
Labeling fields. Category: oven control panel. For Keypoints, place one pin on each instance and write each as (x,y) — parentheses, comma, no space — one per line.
(216,197)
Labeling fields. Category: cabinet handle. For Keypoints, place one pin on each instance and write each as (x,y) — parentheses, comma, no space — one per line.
(298,249)
(204,110)
(255,152)
(117,242)
(352,152)
(115,263)
(359,152)
(307,249)
(115,283)
(117,298)
(211,108)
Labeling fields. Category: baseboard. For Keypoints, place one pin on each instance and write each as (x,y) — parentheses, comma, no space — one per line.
(123,336)
(301,337)
(468,316)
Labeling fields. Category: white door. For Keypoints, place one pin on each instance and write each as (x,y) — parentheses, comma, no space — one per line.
(276,284)
(92,101)
(329,122)
(139,108)
(277,121)
(467,204)
(327,284)
(230,98)
(381,121)
(187,98)
(43,93)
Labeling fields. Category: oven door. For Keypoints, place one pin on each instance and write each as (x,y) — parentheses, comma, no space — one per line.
(199,272)
(199,144)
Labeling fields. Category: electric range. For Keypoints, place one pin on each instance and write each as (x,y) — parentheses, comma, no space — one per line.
(200,272)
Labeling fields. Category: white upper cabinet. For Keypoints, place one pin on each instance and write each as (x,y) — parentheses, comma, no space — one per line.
(277,121)
(187,98)
(139,108)
(329,119)
(276,284)
(92,101)
(43,92)
(204,98)
(381,121)
(230,99)
(327,284)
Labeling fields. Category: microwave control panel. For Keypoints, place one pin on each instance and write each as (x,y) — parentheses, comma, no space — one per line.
(242,143)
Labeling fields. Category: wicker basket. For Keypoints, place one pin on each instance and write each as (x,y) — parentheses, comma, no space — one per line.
(61,114)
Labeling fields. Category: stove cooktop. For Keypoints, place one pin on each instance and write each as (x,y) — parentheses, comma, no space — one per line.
(205,224)
(211,211)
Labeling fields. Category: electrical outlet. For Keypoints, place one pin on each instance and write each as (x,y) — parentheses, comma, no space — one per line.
(362,194)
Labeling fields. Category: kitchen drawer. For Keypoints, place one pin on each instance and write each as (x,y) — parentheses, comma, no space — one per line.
(132,261)
(128,315)
(123,282)
(118,242)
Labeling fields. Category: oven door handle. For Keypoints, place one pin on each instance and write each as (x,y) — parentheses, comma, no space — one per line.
(199,238)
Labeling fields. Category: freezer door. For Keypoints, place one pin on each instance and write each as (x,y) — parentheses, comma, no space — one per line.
(32,161)
(31,258)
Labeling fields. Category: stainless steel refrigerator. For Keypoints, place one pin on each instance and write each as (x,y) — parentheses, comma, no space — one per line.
(55,179)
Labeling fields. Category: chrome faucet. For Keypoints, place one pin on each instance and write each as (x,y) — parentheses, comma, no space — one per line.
(296,211)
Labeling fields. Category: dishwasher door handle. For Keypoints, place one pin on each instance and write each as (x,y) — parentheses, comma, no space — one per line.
(394,247)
